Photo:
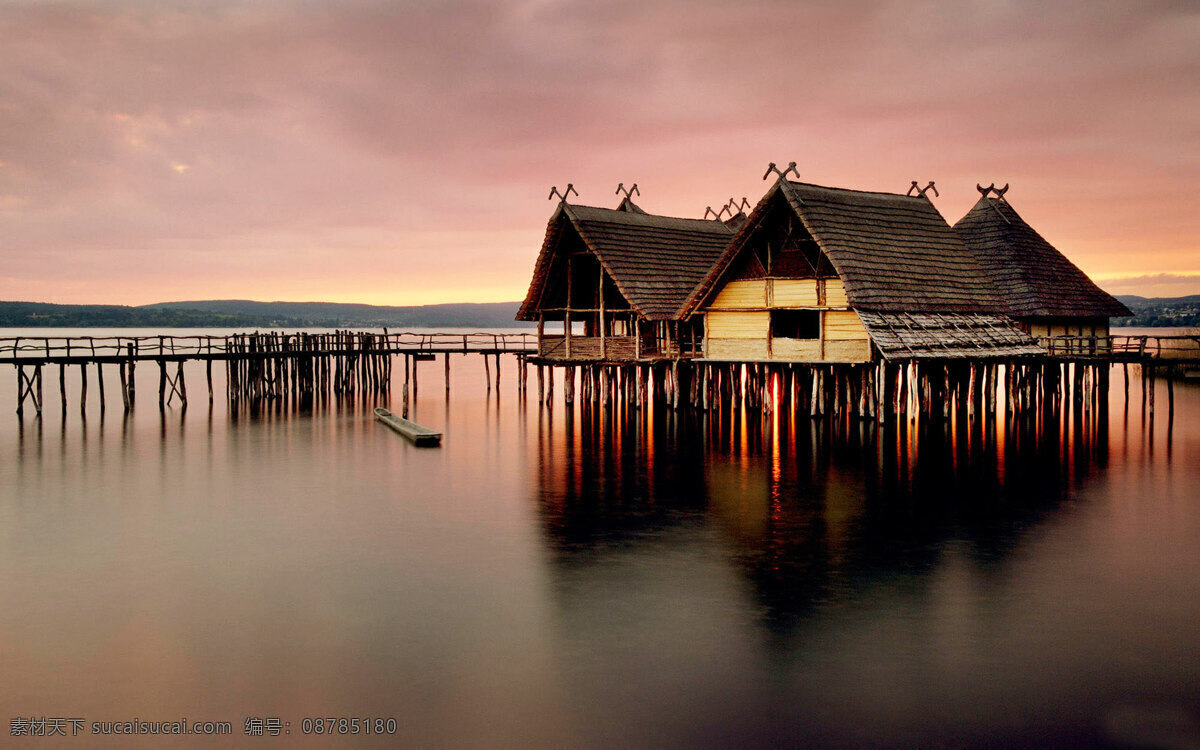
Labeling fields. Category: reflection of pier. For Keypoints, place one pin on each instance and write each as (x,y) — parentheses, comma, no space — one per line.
(259,366)
(810,511)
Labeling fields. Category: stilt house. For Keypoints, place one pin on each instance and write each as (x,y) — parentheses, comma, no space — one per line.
(624,275)
(1043,291)
(821,274)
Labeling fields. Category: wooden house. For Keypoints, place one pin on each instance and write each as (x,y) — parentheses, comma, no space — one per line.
(821,274)
(622,276)
(1043,291)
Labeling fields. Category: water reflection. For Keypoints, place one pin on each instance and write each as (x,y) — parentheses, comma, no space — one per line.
(809,509)
(579,577)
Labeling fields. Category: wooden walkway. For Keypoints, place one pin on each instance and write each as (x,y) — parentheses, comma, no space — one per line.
(73,350)
(263,367)
(259,366)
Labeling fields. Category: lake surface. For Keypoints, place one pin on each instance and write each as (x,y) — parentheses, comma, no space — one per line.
(582,578)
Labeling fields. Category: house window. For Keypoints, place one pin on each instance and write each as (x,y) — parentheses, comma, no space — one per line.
(796,324)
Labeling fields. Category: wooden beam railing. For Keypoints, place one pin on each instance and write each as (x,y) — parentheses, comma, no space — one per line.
(70,349)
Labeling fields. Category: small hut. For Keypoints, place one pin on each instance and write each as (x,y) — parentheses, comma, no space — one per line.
(622,275)
(1043,291)
(822,274)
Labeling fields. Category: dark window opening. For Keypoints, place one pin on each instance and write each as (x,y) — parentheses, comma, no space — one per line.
(796,324)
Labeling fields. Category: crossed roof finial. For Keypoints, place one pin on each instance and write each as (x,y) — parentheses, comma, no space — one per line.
(791,167)
(734,206)
(992,189)
(921,191)
(716,214)
(628,192)
(562,196)
(999,195)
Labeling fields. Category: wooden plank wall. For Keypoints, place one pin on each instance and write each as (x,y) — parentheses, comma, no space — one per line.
(738,322)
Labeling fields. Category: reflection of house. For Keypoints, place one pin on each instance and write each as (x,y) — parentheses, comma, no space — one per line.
(623,274)
(1044,292)
(821,274)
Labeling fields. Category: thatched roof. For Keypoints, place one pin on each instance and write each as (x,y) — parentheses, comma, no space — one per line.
(655,261)
(1033,278)
(920,291)
(895,253)
(903,336)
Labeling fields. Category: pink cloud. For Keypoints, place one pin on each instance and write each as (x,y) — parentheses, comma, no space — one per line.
(233,149)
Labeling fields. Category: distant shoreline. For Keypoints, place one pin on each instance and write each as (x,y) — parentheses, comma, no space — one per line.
(1159,312)
(248,313)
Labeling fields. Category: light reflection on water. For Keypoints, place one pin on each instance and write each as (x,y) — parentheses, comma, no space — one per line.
(591,577)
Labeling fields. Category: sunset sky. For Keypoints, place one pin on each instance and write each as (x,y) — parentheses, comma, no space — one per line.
(402,152)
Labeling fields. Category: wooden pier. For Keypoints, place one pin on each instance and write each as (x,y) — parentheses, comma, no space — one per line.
(259,367)
(301,367)
(1074,371)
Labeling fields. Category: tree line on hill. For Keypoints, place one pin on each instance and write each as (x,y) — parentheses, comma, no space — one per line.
(1181,312)
(249,314)
(1153,311)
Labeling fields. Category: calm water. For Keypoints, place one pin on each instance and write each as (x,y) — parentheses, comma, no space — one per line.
(554,577)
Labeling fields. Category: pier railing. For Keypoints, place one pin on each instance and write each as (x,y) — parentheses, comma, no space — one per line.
(70,349)
(1125,348)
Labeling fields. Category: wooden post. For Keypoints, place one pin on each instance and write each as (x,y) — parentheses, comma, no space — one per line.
(567,312)
(446,365)
(20,390)
(62,386)
(124,385)
(541,379)
(818,395)
(179,381)
(83,388)
(132,375)
(569,385)
(603,341)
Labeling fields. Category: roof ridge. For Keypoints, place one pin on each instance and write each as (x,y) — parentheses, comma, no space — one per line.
(797,183)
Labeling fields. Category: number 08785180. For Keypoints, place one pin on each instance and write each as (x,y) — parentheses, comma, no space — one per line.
(347,725)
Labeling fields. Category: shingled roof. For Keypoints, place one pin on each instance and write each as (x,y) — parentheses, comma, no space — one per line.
(904,336)
(655,261)
(1033,278)
(895,253)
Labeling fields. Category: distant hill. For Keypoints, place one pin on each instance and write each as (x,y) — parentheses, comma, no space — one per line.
(453,315)
(1160,311)
(250,314)
(239,313)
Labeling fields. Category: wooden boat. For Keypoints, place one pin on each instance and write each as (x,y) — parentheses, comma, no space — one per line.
(416,433)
